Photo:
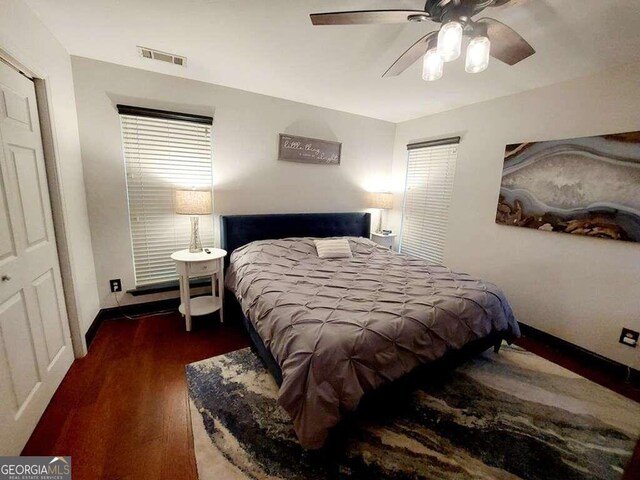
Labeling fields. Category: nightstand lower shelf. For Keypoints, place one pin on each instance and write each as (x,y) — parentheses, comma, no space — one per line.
(203,305)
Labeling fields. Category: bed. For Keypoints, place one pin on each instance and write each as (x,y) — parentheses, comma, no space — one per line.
(333,330)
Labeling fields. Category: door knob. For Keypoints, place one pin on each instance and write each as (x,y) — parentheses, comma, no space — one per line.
(5,278)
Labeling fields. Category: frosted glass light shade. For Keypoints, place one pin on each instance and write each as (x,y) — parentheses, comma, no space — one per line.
(477,55)
(450,41)
(382,200)
(193,202)
(432,66)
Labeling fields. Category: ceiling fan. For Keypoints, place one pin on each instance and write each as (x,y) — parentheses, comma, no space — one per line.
(489,37)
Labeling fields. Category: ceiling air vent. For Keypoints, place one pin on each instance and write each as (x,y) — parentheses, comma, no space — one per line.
(162,56)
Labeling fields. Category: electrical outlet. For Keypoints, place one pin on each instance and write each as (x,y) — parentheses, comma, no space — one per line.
(629,337)
(116,285)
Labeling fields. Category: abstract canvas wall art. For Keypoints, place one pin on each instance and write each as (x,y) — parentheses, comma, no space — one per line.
(582,186)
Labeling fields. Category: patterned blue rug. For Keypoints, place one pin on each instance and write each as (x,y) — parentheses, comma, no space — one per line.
(500,416)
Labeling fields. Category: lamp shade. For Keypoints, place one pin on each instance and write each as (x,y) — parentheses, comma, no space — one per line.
(382,200)
(193,202)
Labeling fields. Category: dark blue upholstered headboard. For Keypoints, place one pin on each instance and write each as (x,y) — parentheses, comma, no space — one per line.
(238,230)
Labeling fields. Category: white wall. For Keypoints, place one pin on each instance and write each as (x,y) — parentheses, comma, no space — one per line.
(248,178)
(25,38)
(583,290)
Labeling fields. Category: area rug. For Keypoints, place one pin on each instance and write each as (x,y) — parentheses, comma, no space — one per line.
(499,416)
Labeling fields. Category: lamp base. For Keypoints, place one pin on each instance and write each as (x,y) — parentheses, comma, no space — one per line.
(380,211)
(195,246)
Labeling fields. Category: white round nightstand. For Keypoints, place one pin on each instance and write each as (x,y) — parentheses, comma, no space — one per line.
(200,264)
(386,240)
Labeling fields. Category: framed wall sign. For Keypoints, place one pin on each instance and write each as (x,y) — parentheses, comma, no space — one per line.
(308,150)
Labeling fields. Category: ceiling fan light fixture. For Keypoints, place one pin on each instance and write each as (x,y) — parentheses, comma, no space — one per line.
(420,17)
(432,66)
(477,55)
(450,41)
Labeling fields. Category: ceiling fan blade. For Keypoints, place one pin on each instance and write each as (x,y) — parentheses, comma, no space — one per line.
(499,3)
(367,17)
(506,44)
(413,54)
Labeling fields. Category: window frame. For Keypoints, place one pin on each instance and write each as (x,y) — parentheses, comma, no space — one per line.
(443,142)
(145,280)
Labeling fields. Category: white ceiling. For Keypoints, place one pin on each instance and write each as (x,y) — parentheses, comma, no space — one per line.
(270,47)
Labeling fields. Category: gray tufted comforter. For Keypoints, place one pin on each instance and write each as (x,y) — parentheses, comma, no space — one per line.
(339,328)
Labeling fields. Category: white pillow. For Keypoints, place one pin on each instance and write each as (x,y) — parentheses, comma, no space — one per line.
(338,248)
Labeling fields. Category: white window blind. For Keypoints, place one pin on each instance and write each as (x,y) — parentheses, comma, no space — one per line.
(429,185)
(163,155)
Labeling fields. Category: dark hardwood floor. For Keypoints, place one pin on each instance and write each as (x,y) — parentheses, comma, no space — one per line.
(121,412)
(588,370)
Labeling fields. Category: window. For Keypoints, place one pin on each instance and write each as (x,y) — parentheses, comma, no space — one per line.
(429,184)
(163,152)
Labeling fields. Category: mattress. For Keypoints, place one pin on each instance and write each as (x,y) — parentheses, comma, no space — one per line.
(339,328)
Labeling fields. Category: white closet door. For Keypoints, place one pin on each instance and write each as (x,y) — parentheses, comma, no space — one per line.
(35,344)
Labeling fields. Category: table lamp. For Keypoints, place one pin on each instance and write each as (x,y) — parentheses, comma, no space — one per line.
(381,201)
(194,203)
